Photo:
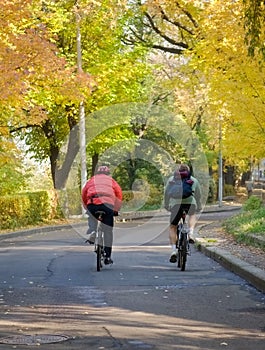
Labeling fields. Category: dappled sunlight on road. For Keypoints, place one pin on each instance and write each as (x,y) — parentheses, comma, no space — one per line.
(122,325)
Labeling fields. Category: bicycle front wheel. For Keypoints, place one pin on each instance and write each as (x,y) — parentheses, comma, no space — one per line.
(183,259)
(183,255)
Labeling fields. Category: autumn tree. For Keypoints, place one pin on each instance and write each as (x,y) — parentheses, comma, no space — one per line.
(209,71)
(35,78)
(168,26)
(43,36)
(254,21)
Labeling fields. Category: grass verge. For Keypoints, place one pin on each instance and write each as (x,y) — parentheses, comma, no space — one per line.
(247,224)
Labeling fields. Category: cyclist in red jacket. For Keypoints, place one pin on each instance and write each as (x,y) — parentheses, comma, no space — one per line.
(102,193)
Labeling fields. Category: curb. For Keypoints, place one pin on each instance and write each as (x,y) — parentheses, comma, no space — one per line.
(32,231)
(254,275)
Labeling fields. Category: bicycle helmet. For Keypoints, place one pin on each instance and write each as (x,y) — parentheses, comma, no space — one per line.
(103,169)
(182,170)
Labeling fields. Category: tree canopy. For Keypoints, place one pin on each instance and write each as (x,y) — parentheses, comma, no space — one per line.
(234,81)
(254,21)
(198,59)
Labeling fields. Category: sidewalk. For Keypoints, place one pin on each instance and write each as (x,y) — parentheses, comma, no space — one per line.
(228,254)
(223,249)
(208,242)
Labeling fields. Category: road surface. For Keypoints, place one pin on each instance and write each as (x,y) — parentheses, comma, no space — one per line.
(50,291)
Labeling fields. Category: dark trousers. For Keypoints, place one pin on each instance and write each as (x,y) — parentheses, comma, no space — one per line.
(107,220)
(176,212)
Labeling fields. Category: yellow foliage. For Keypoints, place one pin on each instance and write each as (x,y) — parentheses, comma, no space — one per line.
(235,81)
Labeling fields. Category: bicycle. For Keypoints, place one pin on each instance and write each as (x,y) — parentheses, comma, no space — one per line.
(99,240)
(183,247)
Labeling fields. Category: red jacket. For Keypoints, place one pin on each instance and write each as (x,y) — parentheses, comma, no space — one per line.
(102,189)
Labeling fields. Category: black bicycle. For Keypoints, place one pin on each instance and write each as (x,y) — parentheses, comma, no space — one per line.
(183,247)
(99,240)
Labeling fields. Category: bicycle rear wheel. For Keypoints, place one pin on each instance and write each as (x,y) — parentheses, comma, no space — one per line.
(100,248)
(179,258)
(179,244)
(99,257)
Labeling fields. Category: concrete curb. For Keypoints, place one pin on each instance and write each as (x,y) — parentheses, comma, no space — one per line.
(250,273)
(32,231)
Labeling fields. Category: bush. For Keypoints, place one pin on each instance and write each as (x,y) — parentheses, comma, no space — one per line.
(14,211)
(145,199)
(70,202)
(27,209)
(253,203)
(212,191)
(229,190)
(155,198)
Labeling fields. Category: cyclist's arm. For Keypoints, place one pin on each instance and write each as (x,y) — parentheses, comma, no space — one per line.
(166,197)
(118,196)
(84,195)
(198,195)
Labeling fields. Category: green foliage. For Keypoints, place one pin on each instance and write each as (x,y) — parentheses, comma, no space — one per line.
(229,190)
(132,200)
(143,200)
(26,209)
(70,202)
(39,207)
(212,191)
(44,93)
(155,198)
(12,180)
(245,224)
(14,211)
(111,72)
(136,172)
(253,203)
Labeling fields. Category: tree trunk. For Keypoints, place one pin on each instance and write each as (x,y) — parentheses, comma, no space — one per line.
(229,175)
(60,175)
(94,163)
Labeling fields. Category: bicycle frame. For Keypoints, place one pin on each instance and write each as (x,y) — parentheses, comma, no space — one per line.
(183,247)
(99,241)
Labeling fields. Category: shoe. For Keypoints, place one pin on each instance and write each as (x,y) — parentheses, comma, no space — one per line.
(108,261)
(173,257)
(91,238)
(191,239)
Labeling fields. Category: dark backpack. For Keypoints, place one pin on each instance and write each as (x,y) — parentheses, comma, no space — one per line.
(180,188)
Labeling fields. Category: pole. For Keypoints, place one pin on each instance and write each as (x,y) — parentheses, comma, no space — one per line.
(82,121)
(220,165)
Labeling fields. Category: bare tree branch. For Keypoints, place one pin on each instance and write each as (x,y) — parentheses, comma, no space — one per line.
(175,23)
(164,36)
(188,14)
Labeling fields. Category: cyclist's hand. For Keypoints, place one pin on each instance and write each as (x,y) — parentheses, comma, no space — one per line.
(115,213)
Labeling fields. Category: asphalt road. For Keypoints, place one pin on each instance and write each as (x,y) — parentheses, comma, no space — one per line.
(50,290)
